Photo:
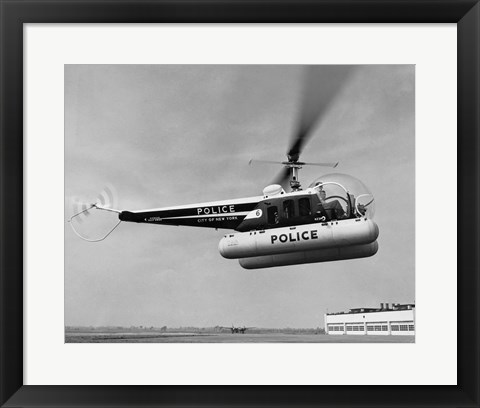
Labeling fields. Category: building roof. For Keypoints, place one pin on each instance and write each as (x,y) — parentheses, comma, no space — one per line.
(383,308)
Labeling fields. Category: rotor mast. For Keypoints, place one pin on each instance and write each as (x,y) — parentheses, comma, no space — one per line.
(295,165)
(291,170)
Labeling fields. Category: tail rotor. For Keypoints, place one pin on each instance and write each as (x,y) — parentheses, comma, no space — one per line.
(106,200)
(108,197)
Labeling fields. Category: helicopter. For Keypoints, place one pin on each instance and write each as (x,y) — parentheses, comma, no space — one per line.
(330,220)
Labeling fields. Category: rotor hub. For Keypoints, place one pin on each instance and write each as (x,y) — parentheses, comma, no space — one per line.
(293,165)
(295,185)
(293,157)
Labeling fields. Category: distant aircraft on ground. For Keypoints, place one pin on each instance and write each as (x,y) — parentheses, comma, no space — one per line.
(237,330)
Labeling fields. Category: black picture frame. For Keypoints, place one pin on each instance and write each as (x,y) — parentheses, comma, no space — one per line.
(14,13)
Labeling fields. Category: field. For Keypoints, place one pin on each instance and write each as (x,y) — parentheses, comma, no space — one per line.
(148,337)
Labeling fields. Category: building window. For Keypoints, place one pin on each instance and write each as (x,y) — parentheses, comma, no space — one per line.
(411,327)
(370,328)
(384,328)
(403,327)
(395,327)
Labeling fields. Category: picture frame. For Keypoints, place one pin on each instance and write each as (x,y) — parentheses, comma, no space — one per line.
(466,14)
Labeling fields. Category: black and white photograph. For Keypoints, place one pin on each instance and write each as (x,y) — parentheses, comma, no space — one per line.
(239,204)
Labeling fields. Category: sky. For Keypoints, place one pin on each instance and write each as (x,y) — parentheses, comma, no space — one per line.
(166,135)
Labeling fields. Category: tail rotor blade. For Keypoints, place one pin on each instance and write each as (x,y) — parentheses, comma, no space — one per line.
(108,197)
(80,207)
(85,210)
(101,200)
(75,207)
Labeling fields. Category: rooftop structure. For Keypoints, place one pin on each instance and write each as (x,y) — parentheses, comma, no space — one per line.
(384,307)
(397,319)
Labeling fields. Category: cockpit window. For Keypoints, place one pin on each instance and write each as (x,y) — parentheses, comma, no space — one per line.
(362,204)
(352,195)
(334,200)
(288,209)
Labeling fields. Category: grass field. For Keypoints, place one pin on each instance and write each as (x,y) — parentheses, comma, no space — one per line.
(79,337)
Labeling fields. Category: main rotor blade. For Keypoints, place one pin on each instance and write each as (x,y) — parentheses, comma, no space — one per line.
(283,178)
(322,164)
(254,161)
(322,85)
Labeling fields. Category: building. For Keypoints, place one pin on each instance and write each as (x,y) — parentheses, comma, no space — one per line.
(395,320)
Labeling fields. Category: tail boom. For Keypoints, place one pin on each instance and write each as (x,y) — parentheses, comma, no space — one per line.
(226,214)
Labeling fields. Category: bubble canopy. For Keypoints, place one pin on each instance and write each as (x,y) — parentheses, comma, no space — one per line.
(349,191)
